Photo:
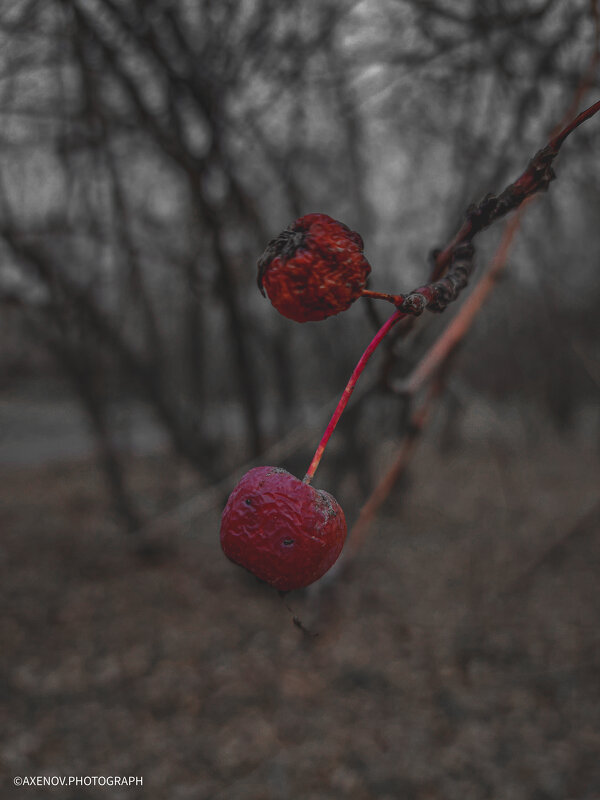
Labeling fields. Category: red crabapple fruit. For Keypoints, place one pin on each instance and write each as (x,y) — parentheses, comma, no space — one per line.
(282,530)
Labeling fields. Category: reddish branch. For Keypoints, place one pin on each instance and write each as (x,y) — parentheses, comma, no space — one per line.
(456,331)
(440,352)
(457,258)
(536,178)
(431,365)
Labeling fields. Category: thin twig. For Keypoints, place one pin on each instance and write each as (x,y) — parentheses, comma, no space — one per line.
(458,258)
(458,328)
(535,178)
(431,365)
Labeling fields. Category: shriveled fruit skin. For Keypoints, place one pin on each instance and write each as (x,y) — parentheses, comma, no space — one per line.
(315,268)
(284,531)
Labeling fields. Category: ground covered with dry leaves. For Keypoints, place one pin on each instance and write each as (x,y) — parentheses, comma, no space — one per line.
(459,658)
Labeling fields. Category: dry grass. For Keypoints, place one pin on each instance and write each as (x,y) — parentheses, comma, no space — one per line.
(454,662)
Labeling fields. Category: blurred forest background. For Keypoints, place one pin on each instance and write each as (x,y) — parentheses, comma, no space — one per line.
(148,152)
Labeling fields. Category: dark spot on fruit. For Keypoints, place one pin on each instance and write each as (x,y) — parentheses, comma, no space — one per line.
(248,501)
(287,542)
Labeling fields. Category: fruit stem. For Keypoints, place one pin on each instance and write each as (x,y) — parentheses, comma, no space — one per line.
(396,299)
(343,402)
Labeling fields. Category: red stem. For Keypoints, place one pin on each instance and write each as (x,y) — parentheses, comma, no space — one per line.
(379,336)
(557,141)
(396,299)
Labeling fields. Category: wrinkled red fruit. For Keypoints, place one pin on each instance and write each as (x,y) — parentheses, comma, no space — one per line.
(313,269)
(282,530)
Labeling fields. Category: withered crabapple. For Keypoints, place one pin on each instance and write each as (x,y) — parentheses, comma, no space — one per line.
(315,268)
